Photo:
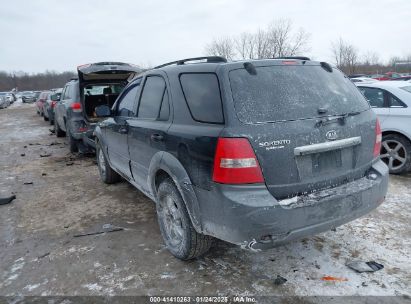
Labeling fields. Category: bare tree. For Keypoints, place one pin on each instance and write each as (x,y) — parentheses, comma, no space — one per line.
(371,58)
(282,40)
(346,56)
(223,46)
(244,46)
(278,39)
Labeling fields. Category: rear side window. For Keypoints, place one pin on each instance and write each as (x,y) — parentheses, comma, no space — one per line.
(66,93)
(374,96)
(394,101)
(151,97)
(202,94)
(292,92)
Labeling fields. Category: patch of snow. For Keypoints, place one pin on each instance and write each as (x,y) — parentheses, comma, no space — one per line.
(93,287)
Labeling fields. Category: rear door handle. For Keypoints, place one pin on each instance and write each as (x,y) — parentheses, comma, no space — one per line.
(157,137)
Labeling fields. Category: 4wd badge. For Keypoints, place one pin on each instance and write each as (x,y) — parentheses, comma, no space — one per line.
(331,135)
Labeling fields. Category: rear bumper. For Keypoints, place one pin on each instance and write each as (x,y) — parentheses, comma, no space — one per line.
(87,137)
(250,216)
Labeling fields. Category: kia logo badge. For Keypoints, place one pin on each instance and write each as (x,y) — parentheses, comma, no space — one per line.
(331,135)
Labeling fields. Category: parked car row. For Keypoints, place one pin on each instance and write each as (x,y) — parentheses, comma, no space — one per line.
(46,102)
(6,99)
(392,76)
(256,153)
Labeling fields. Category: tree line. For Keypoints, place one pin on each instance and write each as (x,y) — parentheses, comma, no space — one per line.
(32,82)
(278,39)
(282,39)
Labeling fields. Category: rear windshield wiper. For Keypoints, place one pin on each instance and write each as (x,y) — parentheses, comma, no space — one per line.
(341,118)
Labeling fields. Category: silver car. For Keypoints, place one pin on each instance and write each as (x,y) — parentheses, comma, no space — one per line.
(391,101)
(4,102)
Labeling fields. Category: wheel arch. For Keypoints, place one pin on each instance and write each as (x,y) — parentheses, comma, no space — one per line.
(164,165)
(396,132)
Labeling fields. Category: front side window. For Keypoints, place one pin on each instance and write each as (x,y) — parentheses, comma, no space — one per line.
(127,103)
(374,96)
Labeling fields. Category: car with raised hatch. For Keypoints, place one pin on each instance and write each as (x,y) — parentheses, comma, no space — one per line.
(256,153)
(97,84)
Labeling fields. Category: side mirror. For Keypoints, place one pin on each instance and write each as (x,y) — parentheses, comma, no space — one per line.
(103,111)
(55,97)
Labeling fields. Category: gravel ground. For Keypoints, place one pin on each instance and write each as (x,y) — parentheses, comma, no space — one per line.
(40,256)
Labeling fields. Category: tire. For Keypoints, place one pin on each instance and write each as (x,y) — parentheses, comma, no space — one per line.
(72,142)
(45,118)
(179,235)
(59,132)
(396,153)
(107,174)
(51,121)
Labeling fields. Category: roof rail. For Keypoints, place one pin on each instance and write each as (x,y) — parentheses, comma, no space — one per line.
(293,57)
(210,59)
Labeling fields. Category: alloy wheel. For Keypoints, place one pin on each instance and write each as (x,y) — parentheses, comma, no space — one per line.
(393,153)
(172,220)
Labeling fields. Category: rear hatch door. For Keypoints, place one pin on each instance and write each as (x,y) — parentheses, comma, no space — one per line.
(310,128)
(106,72)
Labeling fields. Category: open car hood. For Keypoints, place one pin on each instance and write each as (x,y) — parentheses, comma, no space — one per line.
(107,71)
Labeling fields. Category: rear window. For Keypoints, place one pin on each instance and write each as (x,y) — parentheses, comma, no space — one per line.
(202,93)
(281,93)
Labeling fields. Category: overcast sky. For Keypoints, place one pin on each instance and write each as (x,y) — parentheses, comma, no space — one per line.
(59,35)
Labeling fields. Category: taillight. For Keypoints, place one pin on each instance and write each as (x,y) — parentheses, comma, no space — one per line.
(76,107)
(235,162)
(378,139)
(53,103)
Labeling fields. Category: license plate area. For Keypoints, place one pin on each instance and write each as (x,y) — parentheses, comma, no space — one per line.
(325,165)
(326,161)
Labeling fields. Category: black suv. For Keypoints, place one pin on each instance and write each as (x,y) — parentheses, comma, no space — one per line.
(256,153)
(97,84)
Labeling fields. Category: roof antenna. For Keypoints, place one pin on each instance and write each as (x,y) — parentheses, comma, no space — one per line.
(250,68)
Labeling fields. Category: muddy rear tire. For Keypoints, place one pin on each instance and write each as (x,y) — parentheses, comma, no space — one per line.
(107,174)
(59,132)
(179,235)
(72,142)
